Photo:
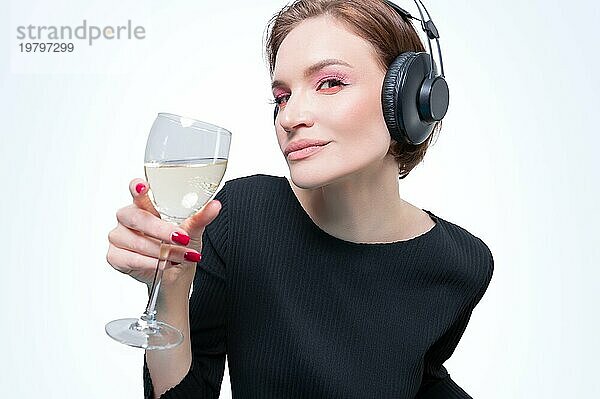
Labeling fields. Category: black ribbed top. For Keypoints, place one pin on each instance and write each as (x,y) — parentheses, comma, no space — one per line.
(303,314)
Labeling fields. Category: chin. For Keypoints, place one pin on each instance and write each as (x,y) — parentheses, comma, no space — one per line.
(307,179)
(313,176)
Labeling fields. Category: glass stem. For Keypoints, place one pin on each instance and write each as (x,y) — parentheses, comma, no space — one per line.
(149,316)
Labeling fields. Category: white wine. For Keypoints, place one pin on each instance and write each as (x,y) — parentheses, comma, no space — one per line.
(178,189)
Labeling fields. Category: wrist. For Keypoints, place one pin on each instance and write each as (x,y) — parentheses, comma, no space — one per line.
(176,280)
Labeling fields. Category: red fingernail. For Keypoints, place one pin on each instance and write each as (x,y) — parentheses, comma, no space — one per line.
(175,263)
(180,238)
(140,187)
(192,256)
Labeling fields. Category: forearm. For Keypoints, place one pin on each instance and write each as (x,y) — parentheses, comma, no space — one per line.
(168,367)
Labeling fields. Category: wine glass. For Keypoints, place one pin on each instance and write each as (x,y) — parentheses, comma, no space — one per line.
(184,164)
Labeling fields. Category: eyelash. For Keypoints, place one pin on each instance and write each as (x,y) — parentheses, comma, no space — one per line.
(339,80)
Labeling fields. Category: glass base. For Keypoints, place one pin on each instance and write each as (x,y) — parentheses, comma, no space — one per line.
(138,333)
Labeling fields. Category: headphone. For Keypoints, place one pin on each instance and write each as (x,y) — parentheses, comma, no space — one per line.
(413,98)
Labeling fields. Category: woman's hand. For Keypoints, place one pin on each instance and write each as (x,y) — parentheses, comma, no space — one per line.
(135,243)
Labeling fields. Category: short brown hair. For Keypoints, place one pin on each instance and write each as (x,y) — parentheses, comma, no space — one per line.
(374,21)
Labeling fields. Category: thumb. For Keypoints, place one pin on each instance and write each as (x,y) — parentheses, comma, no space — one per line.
(139,191)
(196,223)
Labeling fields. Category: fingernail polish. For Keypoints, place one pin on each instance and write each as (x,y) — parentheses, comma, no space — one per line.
(175,263)
(192,256)
(140,187)
(180,238)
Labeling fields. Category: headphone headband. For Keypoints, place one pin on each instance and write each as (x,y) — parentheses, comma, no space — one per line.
(428,27)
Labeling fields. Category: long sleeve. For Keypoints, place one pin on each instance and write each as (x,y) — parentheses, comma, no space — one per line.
(436,383)
(207,318)
(445,388)
(387,315)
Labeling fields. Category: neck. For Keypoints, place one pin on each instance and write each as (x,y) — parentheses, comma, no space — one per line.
(361,207)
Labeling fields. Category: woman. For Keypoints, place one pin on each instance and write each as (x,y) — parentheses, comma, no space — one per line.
(328,285)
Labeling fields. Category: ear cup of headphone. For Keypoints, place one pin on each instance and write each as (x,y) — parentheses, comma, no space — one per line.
(389,95)
(403,94)
(433,99)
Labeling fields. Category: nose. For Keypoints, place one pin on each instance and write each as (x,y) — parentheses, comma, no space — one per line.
(294,114)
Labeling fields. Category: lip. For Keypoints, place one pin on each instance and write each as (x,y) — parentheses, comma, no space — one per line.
(301,144)
(304,153)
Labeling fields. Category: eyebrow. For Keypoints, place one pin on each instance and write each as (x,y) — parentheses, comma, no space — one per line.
(314,68)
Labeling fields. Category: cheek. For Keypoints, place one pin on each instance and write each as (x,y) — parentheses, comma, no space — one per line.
(361,117)
(281,135)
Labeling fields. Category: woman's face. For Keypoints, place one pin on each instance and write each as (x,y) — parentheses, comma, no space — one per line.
(339,103)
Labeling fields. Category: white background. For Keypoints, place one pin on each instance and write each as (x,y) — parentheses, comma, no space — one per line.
(515,165)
